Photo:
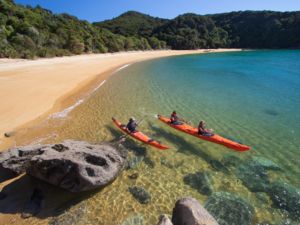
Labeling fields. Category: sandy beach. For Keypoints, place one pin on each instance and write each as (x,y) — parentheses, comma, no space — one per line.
(30,90)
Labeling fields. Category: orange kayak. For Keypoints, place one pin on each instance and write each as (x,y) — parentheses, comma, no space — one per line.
(215,138)
(140,136)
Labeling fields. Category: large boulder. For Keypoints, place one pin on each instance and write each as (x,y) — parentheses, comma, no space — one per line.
(285,196)
(229,209)
(73,165)
(188,211)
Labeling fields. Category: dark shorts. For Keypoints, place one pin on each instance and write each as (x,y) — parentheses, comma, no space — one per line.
(177,123)
(205,134)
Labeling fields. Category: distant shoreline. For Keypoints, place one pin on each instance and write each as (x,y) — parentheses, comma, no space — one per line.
(31,90)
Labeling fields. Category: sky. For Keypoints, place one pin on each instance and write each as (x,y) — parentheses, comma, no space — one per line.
(99,10)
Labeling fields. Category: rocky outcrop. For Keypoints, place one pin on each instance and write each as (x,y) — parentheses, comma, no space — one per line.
(229,209)
(73,165)
(188,211)
(285,196)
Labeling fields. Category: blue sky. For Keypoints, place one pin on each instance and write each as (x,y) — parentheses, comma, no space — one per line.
(98,10)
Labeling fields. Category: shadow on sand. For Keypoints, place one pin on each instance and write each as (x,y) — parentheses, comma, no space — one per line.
(29,196)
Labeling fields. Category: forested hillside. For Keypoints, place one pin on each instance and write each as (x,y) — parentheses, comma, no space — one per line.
(27,32)
(262,29)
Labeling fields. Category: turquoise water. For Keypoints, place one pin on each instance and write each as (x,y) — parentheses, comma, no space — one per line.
(250,96)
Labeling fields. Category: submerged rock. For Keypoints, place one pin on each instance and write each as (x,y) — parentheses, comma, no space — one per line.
(263,197)
(133,176)
(73,165)
(134,162)
(134,220)
(229,209)
(285,196)
(271,112)
(230,160)
(188,211)
(169,164)
(140,194)
(149,162)
(265,163)
(164,220)
(253,176)
(217,165)
(201,181)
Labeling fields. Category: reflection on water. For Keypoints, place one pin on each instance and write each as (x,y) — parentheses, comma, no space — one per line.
(235,97)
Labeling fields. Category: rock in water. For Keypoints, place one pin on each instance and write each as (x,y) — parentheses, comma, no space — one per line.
(285,196)
(200,181)
(164,220)
(73,165)
(188,211)
(229,209)
(134,220)
(230,160)
(133,176)
(265,163)
(253,176)
(140,194)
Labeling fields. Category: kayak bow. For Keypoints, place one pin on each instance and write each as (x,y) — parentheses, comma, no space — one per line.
(215,138)
(140,136)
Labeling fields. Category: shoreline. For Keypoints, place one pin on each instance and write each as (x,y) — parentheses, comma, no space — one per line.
(33,90)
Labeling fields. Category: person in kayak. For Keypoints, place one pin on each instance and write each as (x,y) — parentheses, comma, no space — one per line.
(175,119)
(203,131)
(131,125)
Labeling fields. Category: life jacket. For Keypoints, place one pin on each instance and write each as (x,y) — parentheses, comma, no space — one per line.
(174,117)
(131,126)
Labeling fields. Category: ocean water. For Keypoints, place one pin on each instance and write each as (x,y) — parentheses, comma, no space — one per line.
(250,96)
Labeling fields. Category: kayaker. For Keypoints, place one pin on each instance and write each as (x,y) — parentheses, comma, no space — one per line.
(131,125)
(175,119)
(203,131)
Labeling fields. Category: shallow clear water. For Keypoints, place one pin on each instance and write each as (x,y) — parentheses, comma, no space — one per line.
(252,97)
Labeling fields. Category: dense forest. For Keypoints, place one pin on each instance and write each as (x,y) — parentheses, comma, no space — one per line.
(27,32)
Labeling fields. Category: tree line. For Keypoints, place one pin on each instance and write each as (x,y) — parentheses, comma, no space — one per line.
(29,32)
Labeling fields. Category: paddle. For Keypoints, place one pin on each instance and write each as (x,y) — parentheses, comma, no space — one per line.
(180,119)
